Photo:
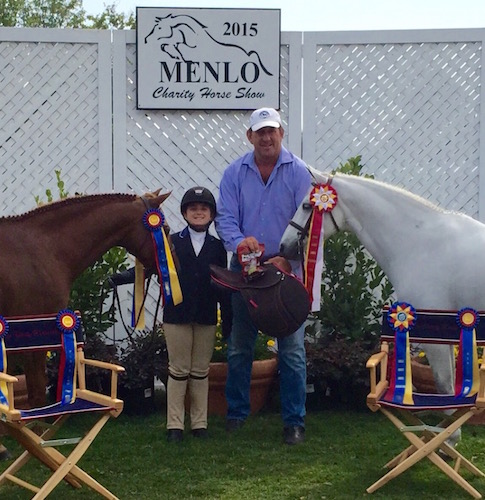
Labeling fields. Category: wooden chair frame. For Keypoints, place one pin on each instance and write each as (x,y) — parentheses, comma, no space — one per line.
(426,440)
(18,424)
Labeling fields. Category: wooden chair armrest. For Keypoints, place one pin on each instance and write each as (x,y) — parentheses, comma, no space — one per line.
(9,409)
(103,364)
(4,377)
(115,370)
(378,363)
(375,359)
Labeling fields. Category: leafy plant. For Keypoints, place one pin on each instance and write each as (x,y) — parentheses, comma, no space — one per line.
(346,329)
(144,356)
(264,347)
(61,14)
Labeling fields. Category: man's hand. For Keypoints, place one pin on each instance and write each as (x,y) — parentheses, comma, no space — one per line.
(248,245)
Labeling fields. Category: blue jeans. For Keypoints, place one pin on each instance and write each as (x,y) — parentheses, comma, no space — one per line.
(291,364)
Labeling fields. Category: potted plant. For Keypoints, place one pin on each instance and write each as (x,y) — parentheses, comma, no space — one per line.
(346,330)
(262,375)
(144,357)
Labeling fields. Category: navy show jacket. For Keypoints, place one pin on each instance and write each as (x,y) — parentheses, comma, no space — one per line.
(200,297)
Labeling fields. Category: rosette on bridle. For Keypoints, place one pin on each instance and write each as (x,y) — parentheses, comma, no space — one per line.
(467,377)
(323,198)
(153,220)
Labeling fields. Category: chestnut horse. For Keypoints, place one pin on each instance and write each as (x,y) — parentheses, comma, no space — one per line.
(43,251)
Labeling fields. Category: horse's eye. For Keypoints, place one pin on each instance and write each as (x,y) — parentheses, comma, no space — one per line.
(307,206)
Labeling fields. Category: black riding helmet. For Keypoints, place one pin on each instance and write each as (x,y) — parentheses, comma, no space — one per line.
(198,194)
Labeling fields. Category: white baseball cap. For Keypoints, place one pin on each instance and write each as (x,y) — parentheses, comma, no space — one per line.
(264,117)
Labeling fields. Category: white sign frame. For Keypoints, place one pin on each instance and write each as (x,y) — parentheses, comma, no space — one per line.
(207,58)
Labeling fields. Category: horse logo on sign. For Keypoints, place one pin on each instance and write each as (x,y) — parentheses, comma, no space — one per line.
(184,38)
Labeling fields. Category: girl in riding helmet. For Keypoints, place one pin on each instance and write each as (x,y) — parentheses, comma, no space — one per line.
(190,326)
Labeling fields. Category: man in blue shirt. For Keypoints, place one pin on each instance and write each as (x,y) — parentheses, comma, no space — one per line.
(258,195)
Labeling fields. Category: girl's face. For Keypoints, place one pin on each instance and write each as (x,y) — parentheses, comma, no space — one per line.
(198,216)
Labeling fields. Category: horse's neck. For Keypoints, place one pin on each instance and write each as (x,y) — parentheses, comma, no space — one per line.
(390,223)
(82,232)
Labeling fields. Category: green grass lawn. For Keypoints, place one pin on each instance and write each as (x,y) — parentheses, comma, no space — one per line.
(343,454)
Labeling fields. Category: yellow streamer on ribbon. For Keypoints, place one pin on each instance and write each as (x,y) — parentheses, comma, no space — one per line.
(408,387)
(3,353)
(172,273)
(476,369)
(139,309)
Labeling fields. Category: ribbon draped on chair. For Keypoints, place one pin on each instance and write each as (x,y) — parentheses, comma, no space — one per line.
(4,327)
(467,378)
(401,318)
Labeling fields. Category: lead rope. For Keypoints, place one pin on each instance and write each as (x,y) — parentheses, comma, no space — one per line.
(116,301)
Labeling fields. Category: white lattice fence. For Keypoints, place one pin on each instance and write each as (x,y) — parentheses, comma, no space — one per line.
(55,113)
(410,105)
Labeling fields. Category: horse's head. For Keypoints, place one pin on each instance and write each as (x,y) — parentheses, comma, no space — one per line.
(138,239)
(293,241)
(162,27)
(170,26)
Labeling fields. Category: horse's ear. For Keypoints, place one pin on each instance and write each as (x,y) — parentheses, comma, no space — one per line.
(160,198)
(156,199)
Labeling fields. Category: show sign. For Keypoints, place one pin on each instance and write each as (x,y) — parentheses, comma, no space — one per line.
(207,58)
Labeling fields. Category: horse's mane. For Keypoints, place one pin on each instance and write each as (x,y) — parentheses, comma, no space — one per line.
(67,202)
(324,176)
(397,190)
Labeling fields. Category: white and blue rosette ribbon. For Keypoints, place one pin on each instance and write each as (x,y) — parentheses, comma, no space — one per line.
(67,322)
(467,378)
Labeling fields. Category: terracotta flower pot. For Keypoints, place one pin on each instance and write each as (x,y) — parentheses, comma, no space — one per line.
(423,379)
(262,376)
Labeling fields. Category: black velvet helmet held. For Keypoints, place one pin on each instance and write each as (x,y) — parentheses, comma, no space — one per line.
(198,194)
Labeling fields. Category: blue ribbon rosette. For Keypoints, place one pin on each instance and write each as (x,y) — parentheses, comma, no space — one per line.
(401,318)
(467,381)
(4,327)
(153,220)
(67,322)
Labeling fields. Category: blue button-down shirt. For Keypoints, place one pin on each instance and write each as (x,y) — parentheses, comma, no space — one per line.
(249,207)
